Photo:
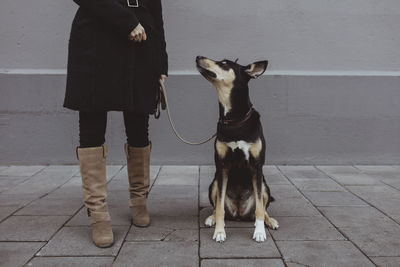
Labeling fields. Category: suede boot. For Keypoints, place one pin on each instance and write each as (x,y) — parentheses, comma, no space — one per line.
(138,164)
(92,163)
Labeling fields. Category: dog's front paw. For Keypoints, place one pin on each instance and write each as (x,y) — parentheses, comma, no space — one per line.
(259,236)
(219,236)
(210,221)
(259,232)
(273,224)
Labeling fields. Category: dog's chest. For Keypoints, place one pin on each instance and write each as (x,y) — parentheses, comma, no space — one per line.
(248,148)
(242,145)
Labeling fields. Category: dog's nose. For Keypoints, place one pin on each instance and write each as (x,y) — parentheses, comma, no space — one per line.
(199,58)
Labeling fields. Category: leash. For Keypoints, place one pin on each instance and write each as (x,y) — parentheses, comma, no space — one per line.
(163,102)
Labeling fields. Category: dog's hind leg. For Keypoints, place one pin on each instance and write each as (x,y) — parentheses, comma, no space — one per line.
(219,233)
(270,222)
(259,189)
(213,191)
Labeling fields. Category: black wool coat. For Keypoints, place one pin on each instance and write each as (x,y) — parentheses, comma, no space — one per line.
(107,71)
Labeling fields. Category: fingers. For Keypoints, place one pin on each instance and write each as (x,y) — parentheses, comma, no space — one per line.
(138,34)
(144,35)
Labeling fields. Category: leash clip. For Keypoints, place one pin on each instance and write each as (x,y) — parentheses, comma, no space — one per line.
(134,4)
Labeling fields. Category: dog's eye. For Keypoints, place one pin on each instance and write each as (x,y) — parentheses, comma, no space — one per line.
(224,62)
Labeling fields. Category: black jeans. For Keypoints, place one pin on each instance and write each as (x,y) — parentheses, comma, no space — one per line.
(92,128)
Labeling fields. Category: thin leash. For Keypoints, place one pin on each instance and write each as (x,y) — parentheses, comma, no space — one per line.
(163,101)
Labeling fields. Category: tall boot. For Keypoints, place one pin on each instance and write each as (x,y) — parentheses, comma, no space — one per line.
(92,162)
(138,163)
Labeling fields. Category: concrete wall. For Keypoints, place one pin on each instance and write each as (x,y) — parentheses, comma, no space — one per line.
(331,94)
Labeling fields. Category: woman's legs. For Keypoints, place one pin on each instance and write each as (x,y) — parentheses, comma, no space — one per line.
(136,128)
(92,154)
(138,162)
(92,128)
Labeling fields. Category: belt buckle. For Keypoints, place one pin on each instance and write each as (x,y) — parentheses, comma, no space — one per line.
(134,4)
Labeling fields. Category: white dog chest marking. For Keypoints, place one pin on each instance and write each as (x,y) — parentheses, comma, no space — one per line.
(242,145)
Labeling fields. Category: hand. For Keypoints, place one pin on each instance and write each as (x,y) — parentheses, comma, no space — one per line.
(163,77)
(138,34)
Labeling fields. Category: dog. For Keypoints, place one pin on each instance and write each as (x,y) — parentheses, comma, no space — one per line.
(239,190)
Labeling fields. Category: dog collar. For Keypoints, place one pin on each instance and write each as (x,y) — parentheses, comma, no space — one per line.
(237,122)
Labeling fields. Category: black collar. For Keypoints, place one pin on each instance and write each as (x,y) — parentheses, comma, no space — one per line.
(239,122)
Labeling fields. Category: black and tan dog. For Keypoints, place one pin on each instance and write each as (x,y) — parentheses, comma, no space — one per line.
(239,187)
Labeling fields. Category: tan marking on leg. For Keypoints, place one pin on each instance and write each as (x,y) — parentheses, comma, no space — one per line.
(270,222)
(214,192)
(221,148)
(256,148)
(219,233)
(260,205)
(210,220)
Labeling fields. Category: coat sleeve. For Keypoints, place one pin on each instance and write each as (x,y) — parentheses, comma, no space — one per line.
(111,12)
(158,17)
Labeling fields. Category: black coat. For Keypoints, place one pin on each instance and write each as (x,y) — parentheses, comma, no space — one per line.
(107,71)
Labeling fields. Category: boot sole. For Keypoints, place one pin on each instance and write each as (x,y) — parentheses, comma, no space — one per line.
(141,226)
(105,246)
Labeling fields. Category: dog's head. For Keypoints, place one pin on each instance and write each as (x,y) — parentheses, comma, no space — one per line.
(230,79)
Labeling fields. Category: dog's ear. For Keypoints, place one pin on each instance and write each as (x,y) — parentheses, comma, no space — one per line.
(256,69)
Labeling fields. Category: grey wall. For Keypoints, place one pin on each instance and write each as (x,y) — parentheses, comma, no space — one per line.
(312,35)
(331,94)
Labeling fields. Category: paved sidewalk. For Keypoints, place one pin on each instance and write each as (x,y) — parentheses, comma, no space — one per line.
(328,216)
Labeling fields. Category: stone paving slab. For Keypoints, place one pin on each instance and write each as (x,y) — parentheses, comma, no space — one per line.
(174,192)
(386,261)
(305,228)
(377,168)
(71,189)
(184,175)
(326,215)
(394,182)
(19,200)
(30,228)
(242,262)
(302,172)
(348,175)
(280,192)
(168,254)
(173,207)
(52,206)
(8,182)
(45,181)
(355,216)
(71,261)
(76,241)
(322,253)
(294,206)
(21,170)
(239,244)
(17,253)
(334,199)
(274,176)
(319,185)
(7,211)
(162,226)
(375,241)
(375,192)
